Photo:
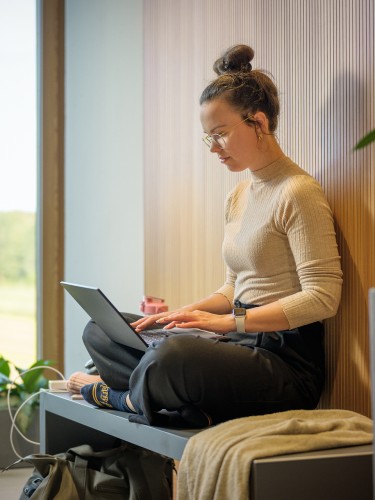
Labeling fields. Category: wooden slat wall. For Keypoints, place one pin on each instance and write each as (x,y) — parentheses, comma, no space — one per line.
(321,54)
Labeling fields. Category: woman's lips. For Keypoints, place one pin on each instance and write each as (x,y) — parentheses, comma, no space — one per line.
(223,159)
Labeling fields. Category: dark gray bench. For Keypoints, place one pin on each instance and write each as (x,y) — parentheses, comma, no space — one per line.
(343,473)
(65,423)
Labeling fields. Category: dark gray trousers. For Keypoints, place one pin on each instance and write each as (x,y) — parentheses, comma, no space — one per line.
(251,374)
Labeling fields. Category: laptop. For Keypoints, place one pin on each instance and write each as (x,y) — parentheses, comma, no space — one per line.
(107,316)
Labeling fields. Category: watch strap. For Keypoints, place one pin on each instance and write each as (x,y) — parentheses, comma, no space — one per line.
(239,314)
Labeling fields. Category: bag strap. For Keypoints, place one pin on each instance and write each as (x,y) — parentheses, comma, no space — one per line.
(80,475)
(86,450)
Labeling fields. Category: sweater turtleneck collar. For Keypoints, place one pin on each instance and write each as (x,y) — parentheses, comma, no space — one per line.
(271,170)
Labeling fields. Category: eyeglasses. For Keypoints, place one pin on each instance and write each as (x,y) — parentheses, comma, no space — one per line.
(218,139)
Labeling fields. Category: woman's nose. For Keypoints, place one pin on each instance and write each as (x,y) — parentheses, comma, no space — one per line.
(215,147)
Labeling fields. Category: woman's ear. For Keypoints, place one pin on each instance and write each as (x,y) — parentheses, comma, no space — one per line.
(261,122)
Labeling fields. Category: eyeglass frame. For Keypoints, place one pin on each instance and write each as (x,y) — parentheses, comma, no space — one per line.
(208,139)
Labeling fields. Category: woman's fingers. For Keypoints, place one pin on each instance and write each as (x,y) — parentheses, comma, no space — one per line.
(148,321)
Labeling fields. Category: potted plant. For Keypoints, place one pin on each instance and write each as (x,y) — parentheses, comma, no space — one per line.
(16,386)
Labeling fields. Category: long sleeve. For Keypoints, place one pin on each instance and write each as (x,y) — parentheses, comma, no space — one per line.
(280,244)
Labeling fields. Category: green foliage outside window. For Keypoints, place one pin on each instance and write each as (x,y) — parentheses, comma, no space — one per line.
(17,247)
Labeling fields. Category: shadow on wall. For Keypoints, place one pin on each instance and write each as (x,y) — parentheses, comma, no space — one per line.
(346,179)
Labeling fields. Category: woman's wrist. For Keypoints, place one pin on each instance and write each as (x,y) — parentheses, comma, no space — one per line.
(230,323)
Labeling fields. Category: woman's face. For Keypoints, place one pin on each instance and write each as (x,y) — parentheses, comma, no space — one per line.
(238,147)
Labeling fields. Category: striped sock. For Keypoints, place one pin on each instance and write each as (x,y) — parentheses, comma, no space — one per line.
(102,396)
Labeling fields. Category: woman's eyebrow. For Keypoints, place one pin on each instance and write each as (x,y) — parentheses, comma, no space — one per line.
(213,130)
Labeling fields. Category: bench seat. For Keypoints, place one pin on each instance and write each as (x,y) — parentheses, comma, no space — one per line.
(343,473)
(65,423)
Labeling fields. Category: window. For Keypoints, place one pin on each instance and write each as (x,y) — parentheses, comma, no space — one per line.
(18,174)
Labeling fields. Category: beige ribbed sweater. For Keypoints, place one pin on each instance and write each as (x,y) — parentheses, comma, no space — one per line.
(280,244)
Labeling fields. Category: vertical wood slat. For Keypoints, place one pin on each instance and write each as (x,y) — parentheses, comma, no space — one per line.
(51,184)
(321,55)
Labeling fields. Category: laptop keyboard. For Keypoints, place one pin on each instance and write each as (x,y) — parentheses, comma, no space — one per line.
(150,336)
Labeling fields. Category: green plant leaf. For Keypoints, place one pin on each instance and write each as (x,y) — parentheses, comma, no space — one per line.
(367,139)
(4,380)
(4,366)
(4,384)
(4,375)
(34,380)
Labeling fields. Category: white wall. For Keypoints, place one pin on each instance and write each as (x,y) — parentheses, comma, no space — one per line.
(103,158)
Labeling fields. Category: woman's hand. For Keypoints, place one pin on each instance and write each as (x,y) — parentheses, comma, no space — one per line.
(149,321)
(216,302)
(218,323)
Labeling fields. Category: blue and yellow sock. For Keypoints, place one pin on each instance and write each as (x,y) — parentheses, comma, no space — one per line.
(102,396)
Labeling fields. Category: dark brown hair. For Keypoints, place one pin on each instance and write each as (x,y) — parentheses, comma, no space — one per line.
(247,90)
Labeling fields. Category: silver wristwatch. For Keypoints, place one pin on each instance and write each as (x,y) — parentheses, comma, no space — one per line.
(239,314)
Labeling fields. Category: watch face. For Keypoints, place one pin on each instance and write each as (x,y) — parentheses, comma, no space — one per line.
(239,311)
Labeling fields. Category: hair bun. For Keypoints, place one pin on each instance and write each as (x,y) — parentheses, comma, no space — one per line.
(236,59)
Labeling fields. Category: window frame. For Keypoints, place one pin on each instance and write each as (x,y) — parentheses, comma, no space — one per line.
(50,161)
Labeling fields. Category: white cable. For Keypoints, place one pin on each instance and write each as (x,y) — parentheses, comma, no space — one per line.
(13,417)
(14,426)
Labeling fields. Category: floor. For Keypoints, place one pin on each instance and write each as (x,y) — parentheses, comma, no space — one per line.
(12,482)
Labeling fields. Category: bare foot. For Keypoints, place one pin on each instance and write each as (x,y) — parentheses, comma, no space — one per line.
(130,404)
(79,379)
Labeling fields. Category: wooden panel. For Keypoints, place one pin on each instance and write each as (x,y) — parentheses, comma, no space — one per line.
(51,184)
(321,54)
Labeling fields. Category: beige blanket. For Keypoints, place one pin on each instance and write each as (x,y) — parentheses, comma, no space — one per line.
(216,462)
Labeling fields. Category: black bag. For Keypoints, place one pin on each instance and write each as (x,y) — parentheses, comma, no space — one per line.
(125,472)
